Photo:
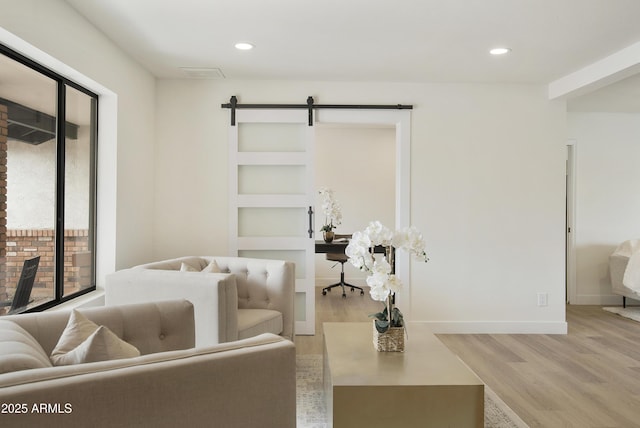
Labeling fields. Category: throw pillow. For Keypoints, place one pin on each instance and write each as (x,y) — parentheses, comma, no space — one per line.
(101,345)
(212,268)
(79,330)
(185,267)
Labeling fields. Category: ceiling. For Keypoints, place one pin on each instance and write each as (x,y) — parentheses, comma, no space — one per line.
(375,40)
(368,40)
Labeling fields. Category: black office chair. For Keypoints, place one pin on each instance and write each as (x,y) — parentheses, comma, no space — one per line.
(342,259)
(24,287)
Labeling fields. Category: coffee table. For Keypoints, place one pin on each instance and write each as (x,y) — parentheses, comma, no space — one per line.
(425,386)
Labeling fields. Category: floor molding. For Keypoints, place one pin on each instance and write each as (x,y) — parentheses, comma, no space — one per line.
(496,327)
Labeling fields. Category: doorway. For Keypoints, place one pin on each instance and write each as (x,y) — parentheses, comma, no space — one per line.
(269,143)
(358,164)
(399,121)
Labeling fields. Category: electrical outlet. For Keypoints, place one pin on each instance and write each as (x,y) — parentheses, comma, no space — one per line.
(543,299)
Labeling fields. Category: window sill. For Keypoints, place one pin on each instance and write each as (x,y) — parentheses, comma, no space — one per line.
(94,298)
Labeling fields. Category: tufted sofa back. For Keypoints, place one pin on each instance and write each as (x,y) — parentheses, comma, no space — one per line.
(261,283)
(150,327)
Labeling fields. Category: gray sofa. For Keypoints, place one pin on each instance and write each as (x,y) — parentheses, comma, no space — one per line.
(247,383)
(246,297)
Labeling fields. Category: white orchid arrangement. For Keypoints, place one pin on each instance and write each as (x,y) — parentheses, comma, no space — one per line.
(382,280)
(331,209)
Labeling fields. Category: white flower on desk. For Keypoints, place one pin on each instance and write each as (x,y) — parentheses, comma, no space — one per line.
(331,209)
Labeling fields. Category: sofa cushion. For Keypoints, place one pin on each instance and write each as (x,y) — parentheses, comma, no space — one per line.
(212,268)
(252,322)
(83,341)
(19,350)
(186,267)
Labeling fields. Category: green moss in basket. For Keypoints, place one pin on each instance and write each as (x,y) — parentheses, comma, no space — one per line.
(382,319)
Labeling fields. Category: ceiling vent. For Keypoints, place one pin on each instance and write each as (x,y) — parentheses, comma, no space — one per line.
(203,73)
(33,126)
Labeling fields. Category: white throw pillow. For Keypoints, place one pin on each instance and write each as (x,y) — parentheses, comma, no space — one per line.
(185,267)
(77,330)
(80,342)
(212,268)
(102,345)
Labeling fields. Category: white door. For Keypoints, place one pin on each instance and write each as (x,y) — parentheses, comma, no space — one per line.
(272,196)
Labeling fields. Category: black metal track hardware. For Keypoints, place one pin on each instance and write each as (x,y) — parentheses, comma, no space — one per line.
(310,106)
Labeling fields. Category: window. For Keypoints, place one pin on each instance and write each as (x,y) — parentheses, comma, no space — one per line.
(48,142)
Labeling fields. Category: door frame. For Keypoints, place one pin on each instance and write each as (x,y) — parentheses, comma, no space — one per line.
(570,241)
(401,120)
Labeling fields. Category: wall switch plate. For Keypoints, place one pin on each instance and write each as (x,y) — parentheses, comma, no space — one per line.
(543,299)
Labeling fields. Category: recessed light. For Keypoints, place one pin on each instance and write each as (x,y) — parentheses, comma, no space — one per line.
(499,51)
(244,46)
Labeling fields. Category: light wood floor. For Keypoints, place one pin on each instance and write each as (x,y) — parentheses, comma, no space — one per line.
(334,308)
(589,378)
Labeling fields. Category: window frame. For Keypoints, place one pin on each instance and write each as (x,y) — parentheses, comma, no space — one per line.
(61,84)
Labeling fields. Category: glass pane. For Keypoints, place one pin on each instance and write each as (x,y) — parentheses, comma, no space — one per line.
(270,137)
(301,306)
(296,256)
(79,166)
(271,180)
(258,222)
(27,178)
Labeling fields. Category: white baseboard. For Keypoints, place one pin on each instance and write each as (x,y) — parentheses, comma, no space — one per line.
(495,327)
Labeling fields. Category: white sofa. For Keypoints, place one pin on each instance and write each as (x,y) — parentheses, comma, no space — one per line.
(247,383)
(618,262)
(248,297)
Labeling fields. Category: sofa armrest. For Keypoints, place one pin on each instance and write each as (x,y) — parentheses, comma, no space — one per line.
(264,284)
(247,383)
(214,297)
(617,266)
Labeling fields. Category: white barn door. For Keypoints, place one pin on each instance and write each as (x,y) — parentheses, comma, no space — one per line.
(271,180)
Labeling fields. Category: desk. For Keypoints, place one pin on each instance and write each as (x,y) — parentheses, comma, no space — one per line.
(337,247)
(425,386)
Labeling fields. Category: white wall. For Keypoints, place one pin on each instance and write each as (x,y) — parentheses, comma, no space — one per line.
(487,174)
(607,206)
(31,189)
(487,189)
(54,28)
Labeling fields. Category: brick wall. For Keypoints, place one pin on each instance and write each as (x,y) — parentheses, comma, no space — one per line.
(25,244)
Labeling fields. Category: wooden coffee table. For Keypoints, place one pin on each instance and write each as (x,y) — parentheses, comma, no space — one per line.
(425,386)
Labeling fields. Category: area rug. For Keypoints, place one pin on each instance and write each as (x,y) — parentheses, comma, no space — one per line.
(311,409)
(631,312)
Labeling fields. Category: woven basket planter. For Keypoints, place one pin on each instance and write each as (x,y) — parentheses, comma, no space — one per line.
(391,340)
